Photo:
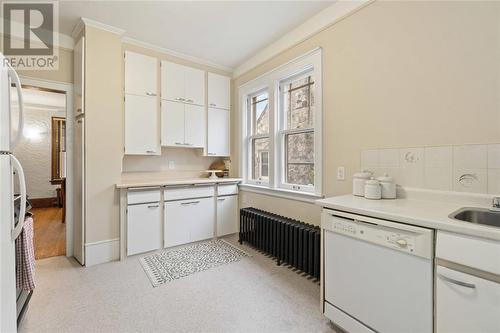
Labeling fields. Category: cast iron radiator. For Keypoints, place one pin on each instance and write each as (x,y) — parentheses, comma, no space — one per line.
(292,242)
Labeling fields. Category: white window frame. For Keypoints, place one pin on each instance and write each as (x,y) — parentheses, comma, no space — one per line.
(250,137)
(282,132)
(309,62)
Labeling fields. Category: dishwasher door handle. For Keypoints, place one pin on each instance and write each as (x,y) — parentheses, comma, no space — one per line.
(457,282)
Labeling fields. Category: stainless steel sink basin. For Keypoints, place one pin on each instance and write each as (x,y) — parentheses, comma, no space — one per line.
(478,216)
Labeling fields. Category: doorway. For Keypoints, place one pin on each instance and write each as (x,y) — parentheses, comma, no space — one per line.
(54,232)
(42,152)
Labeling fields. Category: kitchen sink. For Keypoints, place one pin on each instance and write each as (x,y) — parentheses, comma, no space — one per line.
(477,215)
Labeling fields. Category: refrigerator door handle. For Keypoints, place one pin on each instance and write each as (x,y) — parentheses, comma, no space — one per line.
(17,229)
(20,125)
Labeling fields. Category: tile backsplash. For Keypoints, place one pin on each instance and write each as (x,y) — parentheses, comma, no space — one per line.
(461,168)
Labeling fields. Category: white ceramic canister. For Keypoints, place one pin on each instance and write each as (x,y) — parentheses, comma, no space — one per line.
(373,190)
(358,183)
(388,186)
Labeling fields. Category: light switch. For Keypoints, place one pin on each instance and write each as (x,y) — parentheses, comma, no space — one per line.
(171,165)
(340,173)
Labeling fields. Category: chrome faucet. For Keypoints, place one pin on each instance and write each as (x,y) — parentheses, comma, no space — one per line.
(495,203)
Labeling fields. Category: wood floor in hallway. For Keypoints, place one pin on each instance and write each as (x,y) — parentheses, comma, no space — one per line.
(50,232)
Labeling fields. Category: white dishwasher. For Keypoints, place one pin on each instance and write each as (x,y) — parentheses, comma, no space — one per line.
(378,274)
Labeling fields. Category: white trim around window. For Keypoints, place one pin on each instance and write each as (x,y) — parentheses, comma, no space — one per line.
(302,67)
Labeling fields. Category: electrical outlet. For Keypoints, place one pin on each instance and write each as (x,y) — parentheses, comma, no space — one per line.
(171,165)
(340,173)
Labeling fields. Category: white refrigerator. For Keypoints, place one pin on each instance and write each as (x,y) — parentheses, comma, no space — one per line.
(11,172)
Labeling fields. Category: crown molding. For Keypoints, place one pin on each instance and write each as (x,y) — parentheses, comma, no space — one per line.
(312,26)
(132,41)
(86,22)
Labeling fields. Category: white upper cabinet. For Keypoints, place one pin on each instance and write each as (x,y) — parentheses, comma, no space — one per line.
(219,90)
(172,81)
(218,136)
(182,84)
(194,86)
(141,126)
(182,125)
(141,74)
(172,123)
(194,126)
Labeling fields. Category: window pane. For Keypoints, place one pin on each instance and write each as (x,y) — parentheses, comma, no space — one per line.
(260,158)
(260,114)
(264,164)
(299,103)
(300,158)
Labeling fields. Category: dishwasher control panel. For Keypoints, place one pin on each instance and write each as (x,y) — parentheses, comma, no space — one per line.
(401,237)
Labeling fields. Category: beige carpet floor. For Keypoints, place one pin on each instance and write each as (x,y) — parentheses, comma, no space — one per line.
(252,295)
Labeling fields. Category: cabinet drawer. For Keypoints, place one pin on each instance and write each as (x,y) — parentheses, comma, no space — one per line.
(136,196)
(466,303)
(483,254)
(227,189)
(181,193)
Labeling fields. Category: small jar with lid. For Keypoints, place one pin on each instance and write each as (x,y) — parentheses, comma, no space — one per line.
(373,190)
(388,186)
(358,182)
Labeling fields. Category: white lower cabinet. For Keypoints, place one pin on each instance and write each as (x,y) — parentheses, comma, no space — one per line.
(144,228)
(227,215)
(188,220)
(466,303)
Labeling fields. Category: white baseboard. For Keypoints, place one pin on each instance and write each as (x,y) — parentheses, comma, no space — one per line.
(102,251)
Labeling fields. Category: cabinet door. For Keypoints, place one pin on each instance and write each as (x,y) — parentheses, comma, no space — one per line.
(173,81)
(144,228)
(141,74)
(177,222)
(227,215)
(195,128)
(201,214)
(141,126)
(172,123)
(219,135)
(218,91)
(473,307)
(195,86)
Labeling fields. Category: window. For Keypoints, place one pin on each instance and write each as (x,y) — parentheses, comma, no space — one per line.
(281,142)
(297,131)
(259,135)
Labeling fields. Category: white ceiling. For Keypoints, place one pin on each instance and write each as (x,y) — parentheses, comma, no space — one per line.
(225,33)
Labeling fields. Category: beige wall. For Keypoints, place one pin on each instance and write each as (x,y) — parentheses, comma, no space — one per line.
(63,74)
(400,74)
(104,133)
(185,159)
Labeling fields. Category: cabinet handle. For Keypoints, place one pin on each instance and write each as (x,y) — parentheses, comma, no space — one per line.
(221,199)
(150,151)
(213,104)
(190,203)
(188,144)
(180,99)
(179,144)
(79,110)
(150,93)
(457,282)
(189,100)
(153,206)
(212,154)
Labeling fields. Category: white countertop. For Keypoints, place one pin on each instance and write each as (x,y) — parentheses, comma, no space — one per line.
(145,182)
(429,211)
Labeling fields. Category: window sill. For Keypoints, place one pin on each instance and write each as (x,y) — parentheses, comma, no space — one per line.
(281,193)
